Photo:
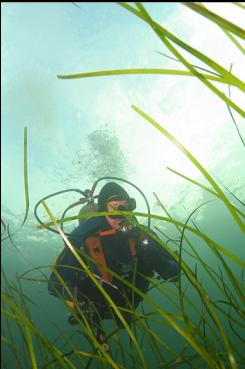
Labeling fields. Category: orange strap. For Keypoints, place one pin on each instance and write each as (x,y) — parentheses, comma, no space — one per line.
(108,232)
(132,245)
(96,251)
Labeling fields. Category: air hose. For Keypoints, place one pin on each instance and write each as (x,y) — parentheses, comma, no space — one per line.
(81,201)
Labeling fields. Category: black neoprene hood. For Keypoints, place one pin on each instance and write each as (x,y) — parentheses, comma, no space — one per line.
(111,189)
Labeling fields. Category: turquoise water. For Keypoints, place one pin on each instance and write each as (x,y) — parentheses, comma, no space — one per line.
(84,129)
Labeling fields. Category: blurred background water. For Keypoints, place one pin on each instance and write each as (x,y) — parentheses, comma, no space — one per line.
(83,129)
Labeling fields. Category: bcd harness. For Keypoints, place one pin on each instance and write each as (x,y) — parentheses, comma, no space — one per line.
(95,250)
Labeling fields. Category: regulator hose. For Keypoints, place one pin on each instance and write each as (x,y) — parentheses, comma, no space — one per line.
(47,197)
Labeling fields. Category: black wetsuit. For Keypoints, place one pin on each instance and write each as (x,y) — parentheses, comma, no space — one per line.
(150,257)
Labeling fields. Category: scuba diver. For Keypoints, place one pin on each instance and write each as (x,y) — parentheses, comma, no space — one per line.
(109,244)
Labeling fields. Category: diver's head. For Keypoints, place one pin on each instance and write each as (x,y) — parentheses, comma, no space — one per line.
(113,197)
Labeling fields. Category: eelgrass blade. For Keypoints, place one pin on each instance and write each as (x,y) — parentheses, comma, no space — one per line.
(213,314)
(21,294)
(75,4)
(232,117)
(108,298)
(84,325)
(14,347)
(183,332)
(229,77)
(193,65)
(231,276)
(208,303)
(231,36)
(23,299)
(4,227)
(233,329)
(178,223)
(235,42)
(181,296)
(234,121)
(134,71)
(18,354)
(201,77)
(154,339)
(31,348)
(196,163)
(241,5)
(172,322)
(208,189)
(8,292)
(208,269)
(222,22)
(86,354)
(19,315)
(230,296)
(157,217)
(27,201)
(237,310)
(227,269)
(164,35)
(10,238)
(235,197)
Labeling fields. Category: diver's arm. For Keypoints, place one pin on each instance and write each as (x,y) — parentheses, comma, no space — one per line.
(161,260)
(167,269)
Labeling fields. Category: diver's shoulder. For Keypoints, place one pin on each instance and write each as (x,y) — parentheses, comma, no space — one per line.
(93,223)
(89,226)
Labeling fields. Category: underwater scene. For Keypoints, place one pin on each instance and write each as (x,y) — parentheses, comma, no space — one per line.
(123,185)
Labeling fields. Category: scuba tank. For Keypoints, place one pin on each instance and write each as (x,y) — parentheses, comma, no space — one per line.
(90,207)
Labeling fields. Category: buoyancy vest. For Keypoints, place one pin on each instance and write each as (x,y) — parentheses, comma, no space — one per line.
(95,249)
